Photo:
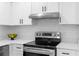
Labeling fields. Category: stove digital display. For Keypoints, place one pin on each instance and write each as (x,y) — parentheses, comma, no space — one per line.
(46,34)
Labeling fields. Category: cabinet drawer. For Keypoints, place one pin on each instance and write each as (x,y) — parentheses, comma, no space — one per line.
(65,52)
(19,46)
(16,54)
(16,47)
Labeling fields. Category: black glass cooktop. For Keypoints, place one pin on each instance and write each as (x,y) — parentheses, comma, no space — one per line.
(32,44)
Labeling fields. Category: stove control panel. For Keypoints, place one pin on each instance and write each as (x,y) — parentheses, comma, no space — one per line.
(48,34)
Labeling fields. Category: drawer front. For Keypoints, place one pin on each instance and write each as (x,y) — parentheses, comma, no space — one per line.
(77,53)
(16,47)
(16,54)
(16,50)
(64,52)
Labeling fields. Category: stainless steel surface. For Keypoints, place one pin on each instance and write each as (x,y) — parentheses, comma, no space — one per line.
(50,52)
(46,15)
(48,34)
(45,43)
(4,50)
(44,8)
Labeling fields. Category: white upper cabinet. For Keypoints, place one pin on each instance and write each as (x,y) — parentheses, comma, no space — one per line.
(69,12)
(40,7)
(21,12)
(36,7)
(52,7)
(15,13)
(5,13)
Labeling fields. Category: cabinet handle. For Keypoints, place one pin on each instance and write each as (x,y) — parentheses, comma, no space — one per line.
(59,19)
(44,8)
(65,53)
(18,47)
(20,21)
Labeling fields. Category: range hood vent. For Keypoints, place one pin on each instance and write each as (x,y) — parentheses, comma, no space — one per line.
(52,15)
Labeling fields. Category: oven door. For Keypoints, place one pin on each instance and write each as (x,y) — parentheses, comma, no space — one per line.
(33,54)
(33,51)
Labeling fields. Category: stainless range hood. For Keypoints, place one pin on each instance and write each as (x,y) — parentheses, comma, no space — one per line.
(51,15)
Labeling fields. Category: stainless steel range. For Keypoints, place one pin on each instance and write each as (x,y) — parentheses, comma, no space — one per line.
(44,45)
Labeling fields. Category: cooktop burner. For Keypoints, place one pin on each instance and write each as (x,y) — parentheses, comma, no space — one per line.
(32,44)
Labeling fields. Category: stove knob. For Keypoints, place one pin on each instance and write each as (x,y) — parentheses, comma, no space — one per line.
(36,34)
(39,34)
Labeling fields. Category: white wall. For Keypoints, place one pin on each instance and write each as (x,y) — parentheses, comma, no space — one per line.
(4,30)
(70,33)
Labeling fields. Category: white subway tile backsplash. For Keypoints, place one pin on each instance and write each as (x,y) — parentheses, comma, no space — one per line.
(70,33)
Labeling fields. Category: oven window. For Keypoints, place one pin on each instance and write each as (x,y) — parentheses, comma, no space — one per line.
(33,54)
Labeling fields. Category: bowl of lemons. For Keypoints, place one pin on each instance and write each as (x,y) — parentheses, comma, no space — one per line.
(12,36)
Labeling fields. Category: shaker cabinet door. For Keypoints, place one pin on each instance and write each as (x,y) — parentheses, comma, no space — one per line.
(5,13)
(52,7)
(36,7)
(69,12)
(65,52)
(21,12)
(40,7)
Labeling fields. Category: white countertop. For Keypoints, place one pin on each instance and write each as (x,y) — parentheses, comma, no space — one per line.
(18,41)
(62,45)
(65,45)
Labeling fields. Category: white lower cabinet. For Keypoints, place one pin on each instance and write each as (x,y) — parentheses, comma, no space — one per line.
(5,13)
(77,53)
(66,52)
(16,50)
